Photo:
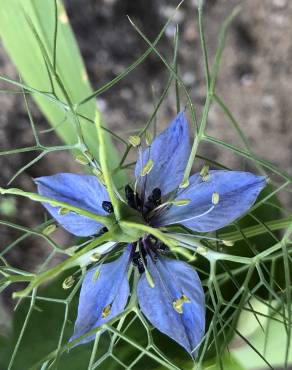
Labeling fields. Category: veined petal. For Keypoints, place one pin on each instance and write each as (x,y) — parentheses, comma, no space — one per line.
(176,304)
(83,191)
(215,202)
(169,152)
(104,294)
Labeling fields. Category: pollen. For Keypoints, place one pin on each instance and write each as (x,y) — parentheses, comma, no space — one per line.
(228,243)
(215,198)
(68,282)
(95,257)
(106,311)
(96,275)
(205,175)
(178,303)
(148,138)
(181,202)
(49,229)
(134,140)
(63,211)
(147,168)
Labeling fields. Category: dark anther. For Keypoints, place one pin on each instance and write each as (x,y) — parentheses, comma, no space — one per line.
(107,206)
(129,192)
(130,196)
(154,200)
(138,202)
(133,199)
(137,261)
(102,231)
(156,195)
(158,248)
(161,247)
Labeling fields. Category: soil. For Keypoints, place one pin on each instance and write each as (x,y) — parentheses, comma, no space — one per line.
(255,82)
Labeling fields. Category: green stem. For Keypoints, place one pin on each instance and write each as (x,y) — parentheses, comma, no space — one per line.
(105,168)
(252,231)
(211,84)
(150,230)
(105,220)
(61,267)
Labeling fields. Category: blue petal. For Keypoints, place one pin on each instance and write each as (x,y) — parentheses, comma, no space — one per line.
(237,193)
(111,287)
(173,279)
(169,151)
(84,191)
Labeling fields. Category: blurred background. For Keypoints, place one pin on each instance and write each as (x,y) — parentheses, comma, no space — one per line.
(255,81)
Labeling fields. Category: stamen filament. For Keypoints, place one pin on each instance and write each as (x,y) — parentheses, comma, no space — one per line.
(197,216)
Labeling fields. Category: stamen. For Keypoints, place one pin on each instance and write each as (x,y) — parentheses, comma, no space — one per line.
(106,311)
(107,206)
(148,138)
(205,175)
(228,243)
(149,278)
(49,229)
(176,237)
(178,303)
(129,193)
(96,275)
(68,282)
(63,211)
(153,200)
(138,262)
(215,198)
(134,140)
(147,168)
(95,257)
(180,202)
(197,216)
(156,194)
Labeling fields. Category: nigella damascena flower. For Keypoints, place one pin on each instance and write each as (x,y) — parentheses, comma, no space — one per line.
(173,299)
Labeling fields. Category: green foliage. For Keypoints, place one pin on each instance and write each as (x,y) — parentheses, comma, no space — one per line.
(40,41)
(270,340)
(257,266)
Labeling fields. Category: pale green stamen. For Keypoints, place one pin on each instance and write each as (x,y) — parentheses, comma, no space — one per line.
(147,168)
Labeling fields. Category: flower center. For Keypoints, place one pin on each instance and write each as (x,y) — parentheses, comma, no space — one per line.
(147,247)
(134,201)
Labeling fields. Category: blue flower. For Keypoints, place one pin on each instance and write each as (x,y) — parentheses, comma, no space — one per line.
(173,298)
